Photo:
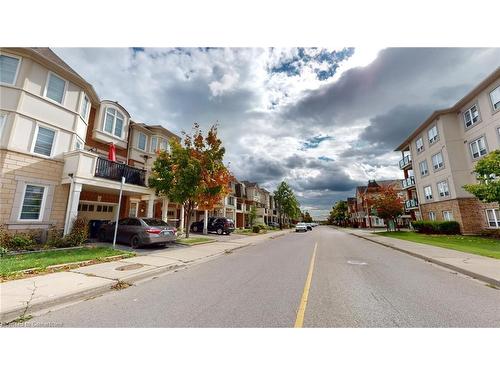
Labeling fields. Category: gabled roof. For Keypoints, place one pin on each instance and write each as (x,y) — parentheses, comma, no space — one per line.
(48,54)
(455,108)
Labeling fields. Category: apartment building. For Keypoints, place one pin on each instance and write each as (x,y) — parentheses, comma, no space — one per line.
(55,135)
(438,159)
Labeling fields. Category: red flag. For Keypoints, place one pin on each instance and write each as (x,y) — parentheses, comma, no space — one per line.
(112,152)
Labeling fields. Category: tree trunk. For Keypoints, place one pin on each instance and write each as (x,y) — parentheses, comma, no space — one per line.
(187,219)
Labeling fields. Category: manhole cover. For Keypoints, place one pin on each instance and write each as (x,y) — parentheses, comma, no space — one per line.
(357,263)
(129,267)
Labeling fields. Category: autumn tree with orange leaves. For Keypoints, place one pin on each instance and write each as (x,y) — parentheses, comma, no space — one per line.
(192,173)
(387,203)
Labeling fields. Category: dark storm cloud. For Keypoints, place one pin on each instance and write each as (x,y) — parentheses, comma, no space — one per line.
(258,169)
(396,76)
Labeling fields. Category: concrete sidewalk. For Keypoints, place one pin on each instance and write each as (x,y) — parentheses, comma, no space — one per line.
(20,298)
(476,266)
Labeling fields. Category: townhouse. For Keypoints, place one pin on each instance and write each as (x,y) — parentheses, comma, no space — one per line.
(438,159)
(361,215)
(55,135)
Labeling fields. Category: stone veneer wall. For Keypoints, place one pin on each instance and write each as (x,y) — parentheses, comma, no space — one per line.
(469,212)
(15,168)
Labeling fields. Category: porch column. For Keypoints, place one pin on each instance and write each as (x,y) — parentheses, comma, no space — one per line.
(164,210)
(182,218)
(205,223)
(224,212)
(151,203)
(72,206)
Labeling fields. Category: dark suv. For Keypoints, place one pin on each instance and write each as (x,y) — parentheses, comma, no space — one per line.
(220,225)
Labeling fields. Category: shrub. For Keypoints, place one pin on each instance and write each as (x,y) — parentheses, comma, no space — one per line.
(436,227)
(21,241)
(5,237)
(256,229)
(492,233)
(79,233)
(55,238)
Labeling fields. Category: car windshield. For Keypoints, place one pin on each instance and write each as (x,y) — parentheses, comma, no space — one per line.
(155,222)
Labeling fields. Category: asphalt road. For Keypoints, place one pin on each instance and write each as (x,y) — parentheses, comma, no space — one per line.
(355,283)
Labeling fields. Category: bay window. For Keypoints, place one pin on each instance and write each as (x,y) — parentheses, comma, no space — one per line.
(141,142)
(55,88)
(9,67)
(44,141)
(113,122)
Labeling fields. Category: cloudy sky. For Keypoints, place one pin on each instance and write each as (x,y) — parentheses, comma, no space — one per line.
(323,119)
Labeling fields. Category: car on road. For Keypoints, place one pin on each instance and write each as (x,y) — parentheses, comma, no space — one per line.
(219,225)
(301,227)
(137,232)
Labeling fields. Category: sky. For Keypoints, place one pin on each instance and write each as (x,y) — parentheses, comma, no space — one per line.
(323,119)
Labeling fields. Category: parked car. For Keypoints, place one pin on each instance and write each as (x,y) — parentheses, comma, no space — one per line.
(274,224)
(301,227)
(220,225)
(137,232)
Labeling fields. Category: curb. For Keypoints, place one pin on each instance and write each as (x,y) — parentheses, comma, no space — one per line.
(435,261)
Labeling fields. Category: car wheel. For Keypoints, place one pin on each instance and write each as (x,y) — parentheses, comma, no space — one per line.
(102,236)
(220,231)
(194,229)
(134,242)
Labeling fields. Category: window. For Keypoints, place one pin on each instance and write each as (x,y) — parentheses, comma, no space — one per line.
(493,217)
(164,145)
(420,144)
(78,144)
(478,148)
(9,66)
(3,120)
(32,202)
(424,168)
(447,215)
(443,189)
(55,88)
(141,142)
(432,216)
(437,161)
(85,107)
(154,144)
(428,192)
(471,116)
(495,98)
(113,122)
(44,141)
(433,135)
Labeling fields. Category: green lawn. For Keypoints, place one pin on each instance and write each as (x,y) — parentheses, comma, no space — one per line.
(14,263)
(488,247)
(194,240)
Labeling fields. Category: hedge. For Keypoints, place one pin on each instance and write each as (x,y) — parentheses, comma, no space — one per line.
(436,227)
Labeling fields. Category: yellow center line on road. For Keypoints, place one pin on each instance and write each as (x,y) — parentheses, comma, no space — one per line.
(299,321)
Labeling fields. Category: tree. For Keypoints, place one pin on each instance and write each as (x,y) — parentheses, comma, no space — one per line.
(488,175)
(252,215)
(286,202)
(307,217)
(338,214)
(192,174)
(387,204)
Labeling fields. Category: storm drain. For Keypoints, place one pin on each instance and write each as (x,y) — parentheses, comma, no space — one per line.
(129,267)
(357,263)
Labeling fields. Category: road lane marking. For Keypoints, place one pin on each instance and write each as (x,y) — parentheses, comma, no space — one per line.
(299,321)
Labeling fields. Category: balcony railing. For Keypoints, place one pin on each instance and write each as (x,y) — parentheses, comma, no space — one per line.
(114,171)
(405,162)
(408,182)
(411,203)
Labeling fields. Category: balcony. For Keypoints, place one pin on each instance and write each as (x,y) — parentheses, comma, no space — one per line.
(90,169)
(409,182)
(405,162)
(411,204)
(112,170)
